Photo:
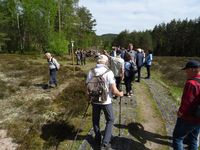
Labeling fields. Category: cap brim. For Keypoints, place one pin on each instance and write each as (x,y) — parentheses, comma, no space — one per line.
(184,68)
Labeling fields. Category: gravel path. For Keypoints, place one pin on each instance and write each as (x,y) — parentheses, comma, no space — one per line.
(165,103)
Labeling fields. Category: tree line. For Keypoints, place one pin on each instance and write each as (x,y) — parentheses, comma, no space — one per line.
(39,25)
(176,38)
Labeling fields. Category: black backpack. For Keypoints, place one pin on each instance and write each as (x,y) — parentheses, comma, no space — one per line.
(133,68)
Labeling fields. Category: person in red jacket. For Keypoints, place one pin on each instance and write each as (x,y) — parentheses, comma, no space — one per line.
(188,123)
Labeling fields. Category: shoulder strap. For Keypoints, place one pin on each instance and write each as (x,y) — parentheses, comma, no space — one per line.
(196,79)
(53,62)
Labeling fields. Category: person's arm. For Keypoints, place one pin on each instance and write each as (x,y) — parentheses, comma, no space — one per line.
(187,99)
(115,91)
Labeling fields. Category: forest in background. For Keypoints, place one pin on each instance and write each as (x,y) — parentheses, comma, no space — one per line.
(51,25)
(40,25)
(176,38)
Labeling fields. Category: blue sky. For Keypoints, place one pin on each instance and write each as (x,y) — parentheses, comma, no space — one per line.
(114,16)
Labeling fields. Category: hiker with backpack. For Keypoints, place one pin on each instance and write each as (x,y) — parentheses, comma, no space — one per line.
(132,53)
(117,67)
(128,74)
(54,66)
(187,126)
(100,86)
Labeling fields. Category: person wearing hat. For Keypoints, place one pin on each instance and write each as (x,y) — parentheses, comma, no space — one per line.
(117,67)
(102,69)
(188,122)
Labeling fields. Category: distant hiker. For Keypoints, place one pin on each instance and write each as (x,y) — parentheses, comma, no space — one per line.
(188,121)
(101,69)
(139,62)
(83,57)
(113,52)
(130,51)
(128,75)
(148,62)
(78,57)
(117,67)
(53,67)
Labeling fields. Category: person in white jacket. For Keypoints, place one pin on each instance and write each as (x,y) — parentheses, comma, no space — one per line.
(53,67)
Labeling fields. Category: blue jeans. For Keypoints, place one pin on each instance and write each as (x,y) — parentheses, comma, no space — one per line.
(109,116)
(52,76)
(183,129)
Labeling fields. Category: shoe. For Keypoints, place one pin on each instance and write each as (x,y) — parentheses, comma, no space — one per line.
(147,77)
(114,97)
(131,93)
(105,146)
(52,85)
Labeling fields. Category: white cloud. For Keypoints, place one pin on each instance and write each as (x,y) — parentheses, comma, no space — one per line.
(114,16)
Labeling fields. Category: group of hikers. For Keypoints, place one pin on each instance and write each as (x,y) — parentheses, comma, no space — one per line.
(103,84)
(80,57)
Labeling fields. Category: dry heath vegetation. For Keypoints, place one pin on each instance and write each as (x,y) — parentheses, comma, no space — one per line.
(35,118)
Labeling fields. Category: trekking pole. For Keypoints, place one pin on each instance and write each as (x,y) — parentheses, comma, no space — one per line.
(120,102)
(120,108)
(80,127)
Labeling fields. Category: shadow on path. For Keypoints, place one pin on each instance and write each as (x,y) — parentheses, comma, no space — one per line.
(44,86)
(137,130)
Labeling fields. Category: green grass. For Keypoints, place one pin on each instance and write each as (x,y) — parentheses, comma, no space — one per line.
(167,71)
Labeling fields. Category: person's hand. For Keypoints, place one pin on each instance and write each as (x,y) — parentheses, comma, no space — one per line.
(121,93)
(179,114)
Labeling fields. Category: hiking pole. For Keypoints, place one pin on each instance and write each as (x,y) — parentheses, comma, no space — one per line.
(120,102)
(79,129)
(120,108)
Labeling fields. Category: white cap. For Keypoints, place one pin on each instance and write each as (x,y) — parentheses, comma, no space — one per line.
(102,58)
(139,50)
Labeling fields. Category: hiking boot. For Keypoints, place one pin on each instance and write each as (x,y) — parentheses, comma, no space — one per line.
(52,85)
(105,146)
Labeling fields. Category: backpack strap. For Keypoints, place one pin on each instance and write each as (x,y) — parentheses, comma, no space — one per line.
(196,79)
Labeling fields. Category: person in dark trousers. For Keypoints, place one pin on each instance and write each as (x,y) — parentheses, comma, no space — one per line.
(83,57)
(78,57)
(148,63)
(127,75)
(188,121)
(139,62)
(106,107)
(53,67)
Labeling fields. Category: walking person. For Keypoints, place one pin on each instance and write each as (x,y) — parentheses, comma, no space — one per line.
(53,67)
(188,121)
(78,57)
(83,57)
(108,76)
(127,75)
(139,62)
(148,63)
(117,67)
